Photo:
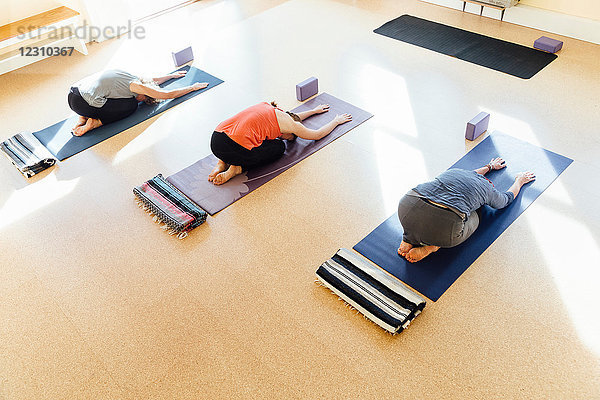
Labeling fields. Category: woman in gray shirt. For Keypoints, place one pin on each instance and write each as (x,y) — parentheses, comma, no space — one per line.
(440,213)
(113,94)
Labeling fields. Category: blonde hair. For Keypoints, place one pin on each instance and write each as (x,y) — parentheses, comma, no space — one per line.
(150,83)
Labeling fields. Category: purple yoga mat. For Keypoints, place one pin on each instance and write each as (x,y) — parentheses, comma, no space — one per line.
(193,180)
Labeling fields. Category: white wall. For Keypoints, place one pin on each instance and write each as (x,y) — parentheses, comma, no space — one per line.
(13,10)
(579,8)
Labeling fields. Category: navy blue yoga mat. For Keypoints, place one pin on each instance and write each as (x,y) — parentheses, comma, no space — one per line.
(59,140)
(433,275)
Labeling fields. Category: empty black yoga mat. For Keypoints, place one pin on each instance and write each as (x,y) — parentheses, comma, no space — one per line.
(60,142)
(511,58)
(433,275)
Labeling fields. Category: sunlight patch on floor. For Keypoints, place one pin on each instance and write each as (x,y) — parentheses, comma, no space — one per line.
(523,131)
(33,197)
(154,134)
(571,254)
(558,191)
(395,180)
(511,126)
(388,94)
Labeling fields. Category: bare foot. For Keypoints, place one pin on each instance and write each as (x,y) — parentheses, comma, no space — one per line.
(223,177)
(418,253)
(221,166)
(80,122)
(404,248)
(90,124)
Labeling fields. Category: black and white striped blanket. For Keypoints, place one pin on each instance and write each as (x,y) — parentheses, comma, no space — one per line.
(378,296)
(27,154)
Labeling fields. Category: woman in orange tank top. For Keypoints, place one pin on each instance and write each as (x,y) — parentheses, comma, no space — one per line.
(255,137)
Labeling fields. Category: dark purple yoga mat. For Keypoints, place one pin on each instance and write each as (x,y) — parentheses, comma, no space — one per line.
(193,180)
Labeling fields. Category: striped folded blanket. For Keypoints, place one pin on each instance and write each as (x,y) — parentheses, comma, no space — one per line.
(27,154)
(169,206)
(378,296)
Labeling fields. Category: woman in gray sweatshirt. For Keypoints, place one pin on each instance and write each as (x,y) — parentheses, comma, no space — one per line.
(113,94)
(440,213)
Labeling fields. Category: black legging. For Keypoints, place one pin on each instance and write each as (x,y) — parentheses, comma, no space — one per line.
(231,152)
(113,110)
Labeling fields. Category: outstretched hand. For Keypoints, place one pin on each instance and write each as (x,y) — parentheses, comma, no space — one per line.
(497,163)
(178,74)
(342,118)
(199,85)
(524,177)
(321,108)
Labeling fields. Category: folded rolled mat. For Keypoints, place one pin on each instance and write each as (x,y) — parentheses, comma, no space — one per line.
(378,296)
(169,206)
(27,154)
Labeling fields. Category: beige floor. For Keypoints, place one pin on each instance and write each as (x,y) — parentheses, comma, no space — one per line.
(98,302)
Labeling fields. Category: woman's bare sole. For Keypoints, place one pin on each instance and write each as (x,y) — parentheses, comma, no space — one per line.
(404,248)
(223,177)
(418,253)
(220,167)
(80,122)
(90,124)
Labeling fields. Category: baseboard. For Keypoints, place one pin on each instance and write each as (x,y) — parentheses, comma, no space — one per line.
(533,17)
(554,22)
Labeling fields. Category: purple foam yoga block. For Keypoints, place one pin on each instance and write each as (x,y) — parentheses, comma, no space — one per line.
(477,125)
(307,88)
(182,57)
(548,44)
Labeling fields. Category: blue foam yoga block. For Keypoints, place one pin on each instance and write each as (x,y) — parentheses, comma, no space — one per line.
(548,44)
(307,88)
(477,125)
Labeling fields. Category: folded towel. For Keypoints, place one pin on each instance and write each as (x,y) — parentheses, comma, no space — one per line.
(27,154)
(169,206)
(378,296)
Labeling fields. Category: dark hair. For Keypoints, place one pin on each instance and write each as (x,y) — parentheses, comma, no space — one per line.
(295,117)
(293,138)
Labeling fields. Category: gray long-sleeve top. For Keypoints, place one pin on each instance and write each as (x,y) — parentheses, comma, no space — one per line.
(110,84)
(464,190)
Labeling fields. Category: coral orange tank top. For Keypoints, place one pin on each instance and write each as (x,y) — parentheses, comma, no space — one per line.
(249,128)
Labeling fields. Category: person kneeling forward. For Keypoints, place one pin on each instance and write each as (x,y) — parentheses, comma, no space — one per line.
(255,137)
(445,212)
